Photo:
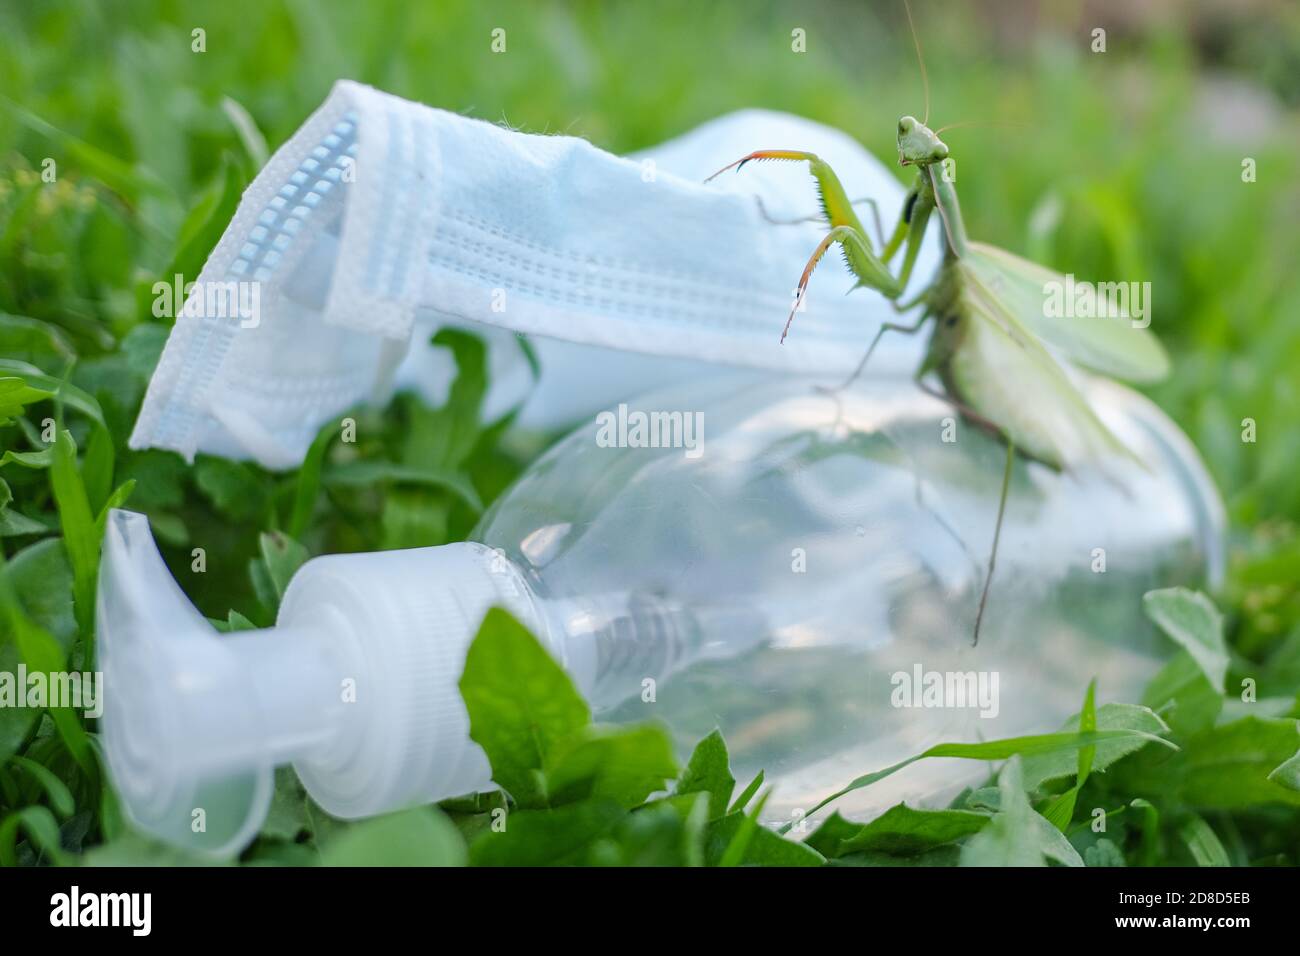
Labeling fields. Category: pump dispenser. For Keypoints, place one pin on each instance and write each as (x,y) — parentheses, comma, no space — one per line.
(356,686)
(774,578)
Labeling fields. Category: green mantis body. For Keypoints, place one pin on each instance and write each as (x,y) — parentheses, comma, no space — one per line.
(1001,360)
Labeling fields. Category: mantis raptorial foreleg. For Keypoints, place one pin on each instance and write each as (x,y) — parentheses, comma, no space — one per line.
(855,247)
(858,253)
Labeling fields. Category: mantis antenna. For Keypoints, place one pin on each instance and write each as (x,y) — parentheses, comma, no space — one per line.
(965,123)
(925,79)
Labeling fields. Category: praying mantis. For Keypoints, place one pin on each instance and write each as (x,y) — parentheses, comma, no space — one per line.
(1002,361)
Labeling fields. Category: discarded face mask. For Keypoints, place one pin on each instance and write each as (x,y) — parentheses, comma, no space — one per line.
(382,219)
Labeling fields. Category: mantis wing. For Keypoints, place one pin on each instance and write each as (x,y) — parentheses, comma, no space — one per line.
(1007,375)
(1108,343)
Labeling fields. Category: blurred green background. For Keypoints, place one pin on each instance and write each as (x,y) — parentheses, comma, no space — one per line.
(1123,163)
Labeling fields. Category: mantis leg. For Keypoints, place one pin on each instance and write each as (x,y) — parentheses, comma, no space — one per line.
(855,249)
(915,231)
(875,215)
(880,229)
(884,327)
(966,411)
(859,255)
(835,202)
(997,534)
(890,245)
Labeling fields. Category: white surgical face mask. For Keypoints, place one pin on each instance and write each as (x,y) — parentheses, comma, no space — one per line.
(382,219)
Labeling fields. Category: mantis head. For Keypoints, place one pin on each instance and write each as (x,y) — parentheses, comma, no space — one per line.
(918,145)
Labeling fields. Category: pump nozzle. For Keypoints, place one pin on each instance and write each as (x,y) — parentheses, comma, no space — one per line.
(164,664)
(356,685)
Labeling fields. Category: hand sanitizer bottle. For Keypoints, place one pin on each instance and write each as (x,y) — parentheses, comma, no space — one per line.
(799,568)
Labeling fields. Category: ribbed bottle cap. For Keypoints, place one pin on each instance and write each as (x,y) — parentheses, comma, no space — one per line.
(408,617)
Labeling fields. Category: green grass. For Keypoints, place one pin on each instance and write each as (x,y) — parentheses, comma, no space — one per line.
(1122,164)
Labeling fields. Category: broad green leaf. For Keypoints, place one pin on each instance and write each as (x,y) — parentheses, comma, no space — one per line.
(763,848)
(832,832)
(42,579)
(664,833)
(1103,853)
(131,849)
(34,341)
(418,837)
(1287,773)
(1041,768)
(947,855)
(1016,835)
(522,706)
(709,771)
(1009,839)
(16,394)
(287,816)
(1052,842)
(13,524)
(622,764)
(904,831)
(43,386)
(547,837)
(1226,767)
(282,556)
(1184,696)
(1234,765)
(983,798)
(29,459)
(1192,621)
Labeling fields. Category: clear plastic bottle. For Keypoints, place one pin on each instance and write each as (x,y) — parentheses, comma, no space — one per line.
(779,572)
